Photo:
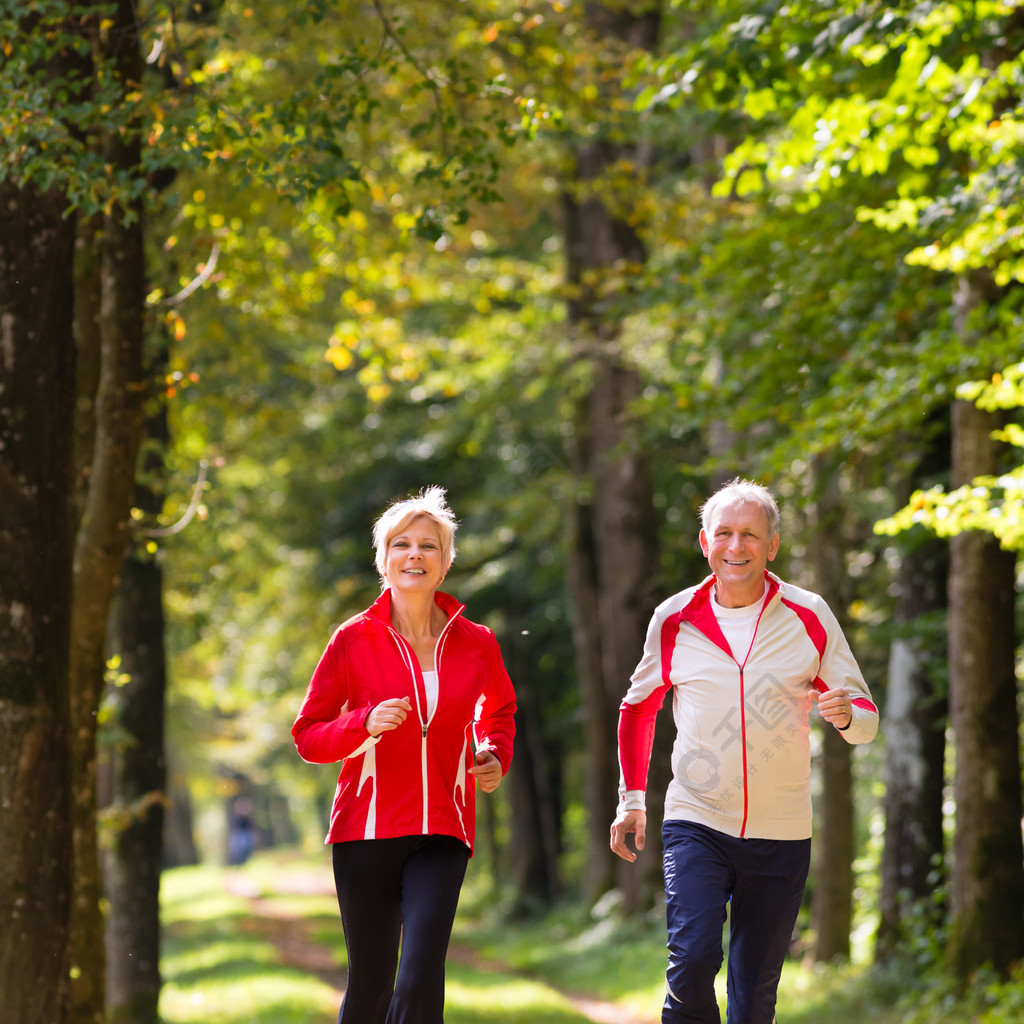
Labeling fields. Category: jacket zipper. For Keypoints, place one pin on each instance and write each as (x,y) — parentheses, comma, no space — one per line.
(410,662)
(743,741)
(743,717)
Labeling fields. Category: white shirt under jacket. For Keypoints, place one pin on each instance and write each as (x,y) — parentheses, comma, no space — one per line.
(741,763)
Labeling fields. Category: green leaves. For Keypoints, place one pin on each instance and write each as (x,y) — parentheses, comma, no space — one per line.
(61,97)
(989,503)
(937,118)
(297,108)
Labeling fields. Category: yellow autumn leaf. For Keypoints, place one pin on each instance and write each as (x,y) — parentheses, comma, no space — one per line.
(339,357)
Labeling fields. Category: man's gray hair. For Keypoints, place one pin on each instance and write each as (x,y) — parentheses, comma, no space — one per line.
(741,492)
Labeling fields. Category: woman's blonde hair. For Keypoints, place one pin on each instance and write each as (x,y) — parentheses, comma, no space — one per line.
(397,517)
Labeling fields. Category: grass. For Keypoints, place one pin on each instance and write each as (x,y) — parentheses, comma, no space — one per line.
(221,967)
(218,967)
(617,962)
(473,997)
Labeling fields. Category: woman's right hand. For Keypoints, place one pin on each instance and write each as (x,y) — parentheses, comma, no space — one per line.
(387,715)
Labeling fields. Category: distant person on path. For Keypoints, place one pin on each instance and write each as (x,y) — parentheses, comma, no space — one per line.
(414,700)
(241,832)
(744,656)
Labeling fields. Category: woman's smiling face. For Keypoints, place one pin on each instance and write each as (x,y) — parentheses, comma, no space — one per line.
(414,559)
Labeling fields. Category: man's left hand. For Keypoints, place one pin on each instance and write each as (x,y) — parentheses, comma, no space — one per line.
(835,706)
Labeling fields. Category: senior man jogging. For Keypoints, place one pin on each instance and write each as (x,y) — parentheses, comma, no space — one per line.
(745,656)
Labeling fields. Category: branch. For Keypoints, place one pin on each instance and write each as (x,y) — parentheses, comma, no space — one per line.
(390,33)
(199,280)
(190,512)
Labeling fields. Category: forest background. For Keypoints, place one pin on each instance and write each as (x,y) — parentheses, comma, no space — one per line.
(265,267)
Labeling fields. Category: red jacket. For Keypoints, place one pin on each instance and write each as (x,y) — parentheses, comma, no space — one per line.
(412,780)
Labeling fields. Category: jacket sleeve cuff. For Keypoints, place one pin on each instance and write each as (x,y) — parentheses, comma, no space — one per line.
(862,727)
(632,800)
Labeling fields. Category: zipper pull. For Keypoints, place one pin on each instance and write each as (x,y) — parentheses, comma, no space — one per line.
(424,732)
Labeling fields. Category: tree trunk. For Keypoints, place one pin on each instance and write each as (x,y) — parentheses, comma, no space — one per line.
(532,786)
(832,908)
(613,566)
(103,534)
(613,556)
(179,843)
(987,880)
(915,744)
(598,724)
(987,891)
(88,290)
(617,563)
(133,862)
(36,531)
(536,848)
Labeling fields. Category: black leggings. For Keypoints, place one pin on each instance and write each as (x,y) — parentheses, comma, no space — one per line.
(397,891)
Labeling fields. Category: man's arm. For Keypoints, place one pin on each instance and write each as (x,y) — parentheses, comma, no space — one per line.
(843,696)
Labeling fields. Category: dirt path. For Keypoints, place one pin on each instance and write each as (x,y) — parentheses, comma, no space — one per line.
(290,935)
(296,948)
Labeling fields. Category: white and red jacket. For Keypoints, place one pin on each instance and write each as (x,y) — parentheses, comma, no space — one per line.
(741,763)
(412,780)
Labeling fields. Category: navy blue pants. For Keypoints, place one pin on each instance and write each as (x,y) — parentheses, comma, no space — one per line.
(397,893)
(764,880)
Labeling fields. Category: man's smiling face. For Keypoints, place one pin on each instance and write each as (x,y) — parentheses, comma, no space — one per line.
(738,549)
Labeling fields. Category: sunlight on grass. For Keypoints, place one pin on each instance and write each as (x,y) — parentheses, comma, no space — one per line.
(219,970)
(216,967)
(473,998)
(811,993)
(292,871)
(196,894)
(259,997)
(622,962)
(203,953)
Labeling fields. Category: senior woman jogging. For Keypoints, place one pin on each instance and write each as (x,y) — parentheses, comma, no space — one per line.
(413,699)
